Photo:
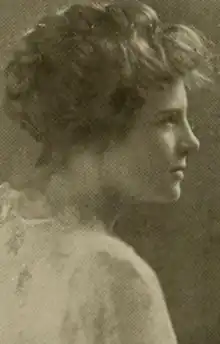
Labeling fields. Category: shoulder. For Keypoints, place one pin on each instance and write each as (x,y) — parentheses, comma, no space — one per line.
(106,260)
(113,283)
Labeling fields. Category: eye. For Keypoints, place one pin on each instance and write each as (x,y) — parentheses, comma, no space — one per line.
(169,118)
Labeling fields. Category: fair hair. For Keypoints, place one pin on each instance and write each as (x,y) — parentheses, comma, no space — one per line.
(76,78)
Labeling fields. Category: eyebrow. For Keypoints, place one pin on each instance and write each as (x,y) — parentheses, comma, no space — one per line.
(170,110)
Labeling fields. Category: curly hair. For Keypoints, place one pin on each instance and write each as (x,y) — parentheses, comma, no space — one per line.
(77,75)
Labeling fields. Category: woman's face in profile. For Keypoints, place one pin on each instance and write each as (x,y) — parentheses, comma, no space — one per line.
(150,164)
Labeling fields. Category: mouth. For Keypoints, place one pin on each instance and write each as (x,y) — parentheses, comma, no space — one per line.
(178,172)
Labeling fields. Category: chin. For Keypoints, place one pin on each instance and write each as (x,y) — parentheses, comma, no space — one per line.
(163,195)
(174,199)
(169,196)
(174,195)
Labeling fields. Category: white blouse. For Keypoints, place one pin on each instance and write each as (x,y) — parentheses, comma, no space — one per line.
(74,284)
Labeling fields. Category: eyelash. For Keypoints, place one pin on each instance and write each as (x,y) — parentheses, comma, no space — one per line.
(173,119)
(170,119)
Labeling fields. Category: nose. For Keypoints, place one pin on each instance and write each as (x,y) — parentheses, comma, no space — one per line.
(189,141)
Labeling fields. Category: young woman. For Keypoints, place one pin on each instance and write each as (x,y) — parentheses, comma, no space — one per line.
(103,88)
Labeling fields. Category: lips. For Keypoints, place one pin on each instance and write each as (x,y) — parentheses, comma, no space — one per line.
(178,172)
(178,168)
(179,175)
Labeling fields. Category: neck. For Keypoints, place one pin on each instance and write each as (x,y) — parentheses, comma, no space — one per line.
(81,188)
(109,206)
(90,201)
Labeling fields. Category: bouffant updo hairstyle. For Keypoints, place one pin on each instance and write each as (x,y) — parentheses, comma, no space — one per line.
(76,78)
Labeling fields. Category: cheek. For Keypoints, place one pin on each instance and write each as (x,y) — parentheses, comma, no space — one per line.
(149,153)
(160,153)
(145,158)
(166,142)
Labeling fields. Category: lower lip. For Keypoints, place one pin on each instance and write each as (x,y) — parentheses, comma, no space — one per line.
(179,175)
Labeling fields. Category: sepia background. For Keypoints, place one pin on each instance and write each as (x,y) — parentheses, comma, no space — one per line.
(182,242)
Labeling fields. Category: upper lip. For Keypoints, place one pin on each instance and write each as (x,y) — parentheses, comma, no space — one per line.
(178,168)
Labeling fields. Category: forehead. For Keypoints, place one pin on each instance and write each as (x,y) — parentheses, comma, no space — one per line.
(172,96)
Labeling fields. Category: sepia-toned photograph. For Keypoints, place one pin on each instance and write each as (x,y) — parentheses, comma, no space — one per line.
(109,172)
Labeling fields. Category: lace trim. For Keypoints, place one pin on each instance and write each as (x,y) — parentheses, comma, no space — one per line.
(8,201)
(15,203)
